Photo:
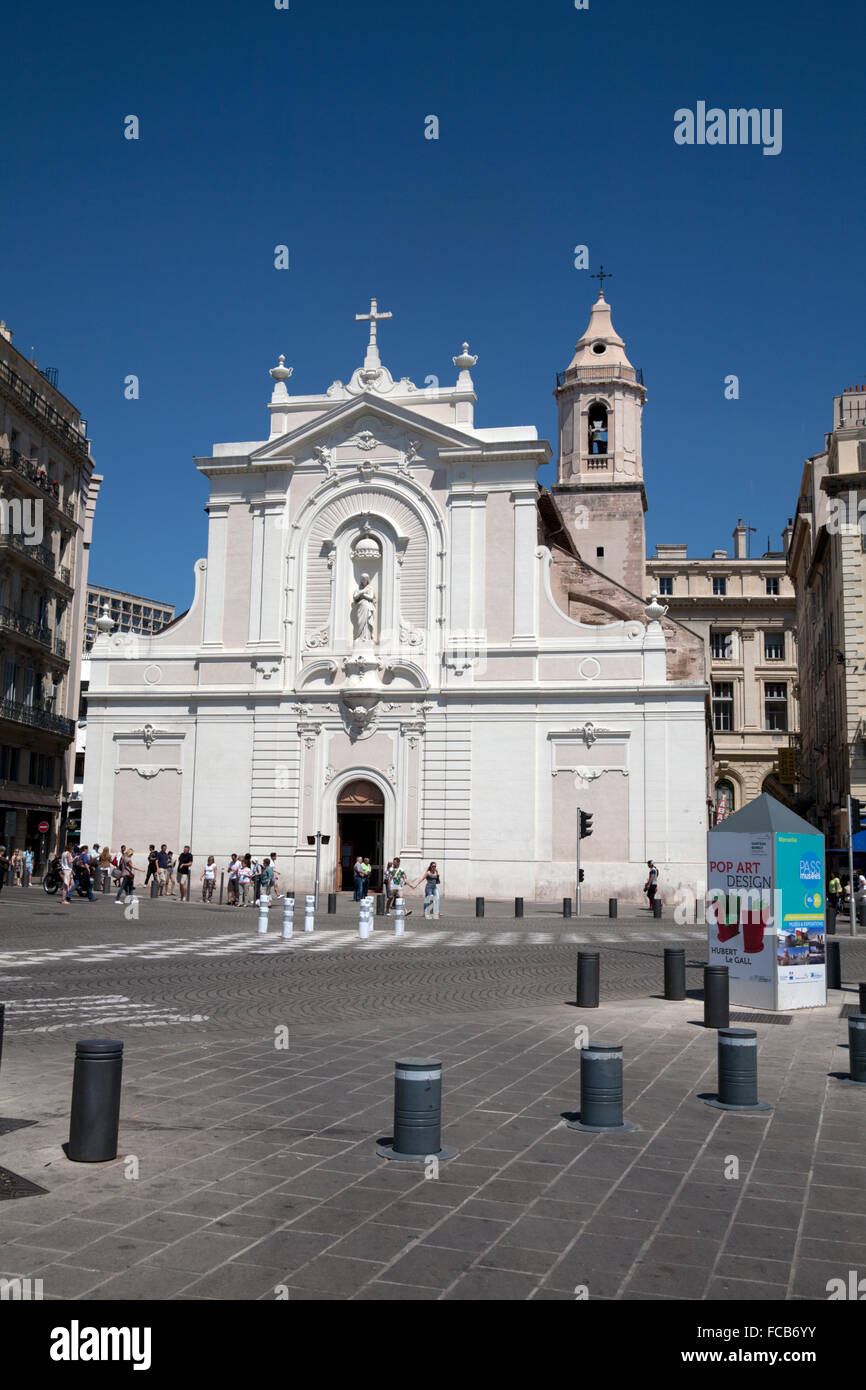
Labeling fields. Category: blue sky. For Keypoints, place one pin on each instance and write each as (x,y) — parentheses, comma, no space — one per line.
(306,127)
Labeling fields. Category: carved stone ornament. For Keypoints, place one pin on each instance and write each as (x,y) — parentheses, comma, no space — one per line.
(584,775)
(325,457)
(147,771)
(330,773)
(317,639)
(149,734)
(365,441)
(410,636)
(360,715)
(266,669)
(309,733)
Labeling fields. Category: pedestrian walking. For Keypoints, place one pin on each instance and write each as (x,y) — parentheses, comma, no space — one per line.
(245,874)
(184,872)
(834,890)
(386,886)
(169,876)
(652,883)
(162,869)
(104,866)
(127,874)
(268,880)
(276,872)
(358,875)
(4,866)
(151,865)
(67,874)
(256,879)
(81,868)
(232,871)
(431,880)
(27,874)
(399,883)
(367,873)
(207,880)
(16,865)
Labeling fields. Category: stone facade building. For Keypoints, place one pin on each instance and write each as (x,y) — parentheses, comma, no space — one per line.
(827,564)
(743,608)
(48,491)
(398,640)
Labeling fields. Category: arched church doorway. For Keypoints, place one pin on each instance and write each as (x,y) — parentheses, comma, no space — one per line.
(360,830)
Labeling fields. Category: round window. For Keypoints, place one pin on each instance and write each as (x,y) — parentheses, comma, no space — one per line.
(598,349)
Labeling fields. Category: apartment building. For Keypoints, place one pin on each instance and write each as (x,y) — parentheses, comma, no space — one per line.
(745,611)
(827,565)
(128,612)
(48,491)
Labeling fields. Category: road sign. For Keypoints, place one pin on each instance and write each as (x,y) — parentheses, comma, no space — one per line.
(43,827)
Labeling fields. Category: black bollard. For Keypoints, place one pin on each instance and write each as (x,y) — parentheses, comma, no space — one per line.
(332,903)
(417,1113)
(831,920)
(861,913)
(834,965)
(587,979)
(566,907)
(222,879)
(738,1071)
(657,909)
(857,1048)
(862,1004)
(612,907)
(479,907)
(380,904)
(2,1021)
(154,887)
(675,972)
(600,1089)
(95,1116)
(518,907)
(717,1007)
(106,880)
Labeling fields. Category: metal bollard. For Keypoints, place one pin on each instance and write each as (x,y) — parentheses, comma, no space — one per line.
(587,979)
(600,1089)
(518,907)
(612,907)
(862,1009)
(566,907)
(264,904)
(310,912)
(288,918)
(332,904)
(399,917)
(831,920)
(154,887)
(861,914)
(857,1049)
(834,965)
(106,880)
(2,1022)
(738,1071)
(95,1116)
(675,972)
(479,907)
(657,909)
(222,881)
(717,1009)
(417,1113)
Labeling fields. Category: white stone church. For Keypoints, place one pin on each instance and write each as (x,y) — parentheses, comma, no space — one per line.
(399,640)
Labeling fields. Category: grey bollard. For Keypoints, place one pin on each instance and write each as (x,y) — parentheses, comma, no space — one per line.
(587,979)
(288,918)
(264,905)
(222,881)
(831,920)
(381,900)
(479,907)
(95,1116)
(154,887)
(566,907)
(675,972)
(106,880)
(2,1022)
(834,965)
(612,907)
(657,909)
(717,1008)
(332,904)
(518,907)
(862,1010)
(399,917)
(310,912)
(417,1113)
(600,1089)
(861,913)
(738,1071)
(857,1049)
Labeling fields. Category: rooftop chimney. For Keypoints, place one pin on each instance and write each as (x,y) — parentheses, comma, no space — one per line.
(740,537)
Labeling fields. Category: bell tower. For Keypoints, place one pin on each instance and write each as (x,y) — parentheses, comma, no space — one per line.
(599,487)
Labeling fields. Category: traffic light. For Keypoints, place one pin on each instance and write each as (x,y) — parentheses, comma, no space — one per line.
(580,878)
(585,824)
(855,817)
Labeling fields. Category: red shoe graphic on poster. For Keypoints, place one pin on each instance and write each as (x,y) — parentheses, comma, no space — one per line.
(754,922)
(721,913)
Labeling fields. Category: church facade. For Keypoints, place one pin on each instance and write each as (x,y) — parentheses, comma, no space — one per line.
(400,642)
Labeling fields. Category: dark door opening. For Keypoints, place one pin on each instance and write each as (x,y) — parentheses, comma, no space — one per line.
(360,830)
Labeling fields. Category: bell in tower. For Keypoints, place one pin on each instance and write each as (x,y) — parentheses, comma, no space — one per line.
(599,487)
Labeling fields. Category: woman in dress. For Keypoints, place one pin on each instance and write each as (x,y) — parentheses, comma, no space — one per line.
(67,876)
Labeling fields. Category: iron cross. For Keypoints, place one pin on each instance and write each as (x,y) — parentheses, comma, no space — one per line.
(601,276)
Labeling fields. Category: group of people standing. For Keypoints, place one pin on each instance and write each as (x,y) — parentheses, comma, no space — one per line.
(246,877)
(16,867)
(396,882)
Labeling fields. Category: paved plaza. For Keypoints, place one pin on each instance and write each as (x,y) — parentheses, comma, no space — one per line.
(258,1076)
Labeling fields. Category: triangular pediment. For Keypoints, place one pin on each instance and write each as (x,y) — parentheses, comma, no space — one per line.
(359,411)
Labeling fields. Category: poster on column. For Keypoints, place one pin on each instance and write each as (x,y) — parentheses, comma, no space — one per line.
(800,929)
(740,926)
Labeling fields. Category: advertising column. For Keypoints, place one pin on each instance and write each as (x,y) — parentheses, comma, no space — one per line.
(801,970)
(741,929)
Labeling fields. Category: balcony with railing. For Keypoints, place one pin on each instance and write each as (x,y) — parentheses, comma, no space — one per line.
(40,554)
(13,621)
(25,468)
(38,405)
(37,717)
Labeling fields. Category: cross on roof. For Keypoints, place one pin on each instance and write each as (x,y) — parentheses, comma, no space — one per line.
(371,361)
(601,276)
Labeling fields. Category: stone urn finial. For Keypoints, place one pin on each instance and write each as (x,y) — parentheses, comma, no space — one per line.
(654,610)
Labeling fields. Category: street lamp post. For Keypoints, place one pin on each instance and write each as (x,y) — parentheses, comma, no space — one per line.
(318,840)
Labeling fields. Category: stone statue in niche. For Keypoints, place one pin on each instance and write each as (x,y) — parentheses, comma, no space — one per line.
(364,612)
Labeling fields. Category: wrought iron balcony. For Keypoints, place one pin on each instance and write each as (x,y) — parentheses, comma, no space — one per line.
(40,406)
(36,718)
(40,553)
(26,468)
(13,621)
